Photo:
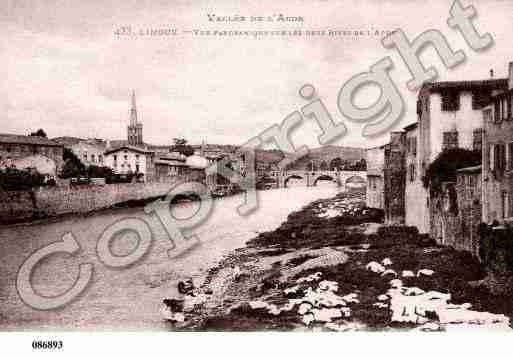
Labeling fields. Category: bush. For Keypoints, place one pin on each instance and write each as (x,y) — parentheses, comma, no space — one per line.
(444,167)
(99,172)
(12,179)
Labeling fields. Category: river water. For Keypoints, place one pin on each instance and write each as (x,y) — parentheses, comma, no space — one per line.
(129,299)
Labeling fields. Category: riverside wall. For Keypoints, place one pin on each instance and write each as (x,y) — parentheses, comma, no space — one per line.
(44,202)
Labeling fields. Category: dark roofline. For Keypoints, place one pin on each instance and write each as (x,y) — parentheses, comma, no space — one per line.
(501,83)
(27,140)
(411,126)
(131,148)
(472,169)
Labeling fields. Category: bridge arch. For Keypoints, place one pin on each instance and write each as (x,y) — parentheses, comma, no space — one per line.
(355,182)
(294,176)
(324,177)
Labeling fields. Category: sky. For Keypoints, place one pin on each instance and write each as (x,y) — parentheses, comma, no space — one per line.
(66,70)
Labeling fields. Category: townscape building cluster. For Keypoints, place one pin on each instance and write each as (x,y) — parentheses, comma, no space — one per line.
(474,115)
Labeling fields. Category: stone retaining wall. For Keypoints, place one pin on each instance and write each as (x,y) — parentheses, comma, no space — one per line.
(48,202)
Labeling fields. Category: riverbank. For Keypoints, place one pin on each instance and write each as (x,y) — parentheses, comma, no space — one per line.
(330,266)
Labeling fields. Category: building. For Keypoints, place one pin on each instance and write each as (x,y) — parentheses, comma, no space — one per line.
(33,152)
(135,128)
(416,209)
(171,166)
(449,116)
(130,159)
(90,152)
(394,175)
(375,196)
(497,156)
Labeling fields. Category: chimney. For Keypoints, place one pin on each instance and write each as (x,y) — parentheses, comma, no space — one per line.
(510,75)
(491,73)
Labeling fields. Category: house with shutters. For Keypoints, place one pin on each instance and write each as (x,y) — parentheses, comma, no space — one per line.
(449,115)
(497,162)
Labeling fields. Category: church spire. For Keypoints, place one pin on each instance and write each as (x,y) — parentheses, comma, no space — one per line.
(135,127)
(133,111)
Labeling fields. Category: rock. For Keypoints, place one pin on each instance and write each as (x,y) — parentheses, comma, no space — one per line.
(413,291)
(327,285)
(174,305)
(304,308)
(291,290)
(396,283)
(186,286)
(389,272)
(426,272)
(310,278)
(386,262)
(326,314)
(375,267)
(308,318)
(383,297)
(380,305)
(407,273)
(257,304)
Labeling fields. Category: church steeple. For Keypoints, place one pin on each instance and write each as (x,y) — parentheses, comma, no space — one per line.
(133,111)
(135,127)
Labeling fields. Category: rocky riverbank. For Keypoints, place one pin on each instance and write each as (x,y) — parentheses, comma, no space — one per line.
(333,266)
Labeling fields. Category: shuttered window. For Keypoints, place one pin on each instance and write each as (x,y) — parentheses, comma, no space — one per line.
(450,101)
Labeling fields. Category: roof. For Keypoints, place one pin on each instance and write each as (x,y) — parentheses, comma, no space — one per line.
(130,148)
(465,85)
(27,140)
(68,140)
(411,126)
(170,163)
(471,169)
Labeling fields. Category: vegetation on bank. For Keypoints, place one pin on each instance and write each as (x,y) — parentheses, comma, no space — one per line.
(444,167)
(329,245)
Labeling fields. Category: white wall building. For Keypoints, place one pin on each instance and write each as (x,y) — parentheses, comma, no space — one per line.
(129,159)
(449,116)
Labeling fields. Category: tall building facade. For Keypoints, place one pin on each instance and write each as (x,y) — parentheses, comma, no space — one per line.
(135,128)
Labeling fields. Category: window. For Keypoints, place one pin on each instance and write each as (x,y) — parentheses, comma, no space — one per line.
(499,157)
(450,140)
(491,154)
(412,172)
(480,99)
(502,109)
(137,157)
(93,158)
(412,145)
(510,155)
(126,157)
(115,158)
(450,100)
(100,158)
(85,156)
(477,139)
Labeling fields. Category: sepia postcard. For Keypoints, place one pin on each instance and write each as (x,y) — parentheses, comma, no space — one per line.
(254,166)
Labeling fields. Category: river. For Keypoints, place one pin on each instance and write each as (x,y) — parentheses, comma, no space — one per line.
(129,299)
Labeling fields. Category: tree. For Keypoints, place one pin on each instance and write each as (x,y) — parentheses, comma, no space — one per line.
(39,133)
(73,167)
(444,167)
(336,164)
(181,146)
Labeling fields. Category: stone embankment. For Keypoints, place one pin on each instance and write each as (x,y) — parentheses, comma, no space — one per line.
(22,206)
(332,266)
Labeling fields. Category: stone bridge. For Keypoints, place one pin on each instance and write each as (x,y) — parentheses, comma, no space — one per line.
(310,178)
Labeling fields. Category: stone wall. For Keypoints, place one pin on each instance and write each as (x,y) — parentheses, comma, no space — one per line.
(395,179)
(48,202)
(456,212)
